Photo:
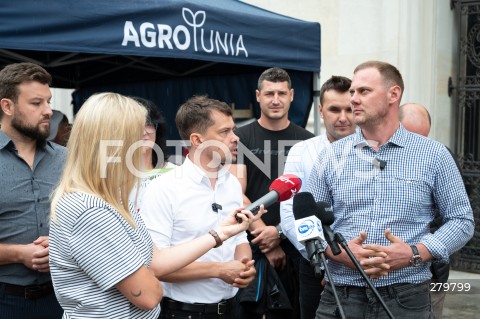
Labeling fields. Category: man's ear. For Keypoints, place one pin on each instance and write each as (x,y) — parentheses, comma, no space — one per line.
(394,94)
(7,106)
(196,139)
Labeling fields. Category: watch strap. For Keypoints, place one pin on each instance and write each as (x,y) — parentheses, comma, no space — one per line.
(217,238)
(281,235)
(416,259)
(414,250)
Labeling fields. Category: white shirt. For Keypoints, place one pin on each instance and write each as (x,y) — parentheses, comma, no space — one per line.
(177,207)
(300,161)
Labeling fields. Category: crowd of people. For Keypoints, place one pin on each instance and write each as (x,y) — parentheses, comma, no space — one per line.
(109,228)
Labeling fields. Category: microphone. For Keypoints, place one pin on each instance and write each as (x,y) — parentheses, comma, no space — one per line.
(379,163)
(382,165)
(282,188)
(308,227)
(309,232)
(216,207)
(327,218)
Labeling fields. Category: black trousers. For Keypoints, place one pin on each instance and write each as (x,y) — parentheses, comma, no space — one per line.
(310,290)
(19,307)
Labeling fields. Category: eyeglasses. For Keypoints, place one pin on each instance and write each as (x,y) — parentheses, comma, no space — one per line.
(151,127)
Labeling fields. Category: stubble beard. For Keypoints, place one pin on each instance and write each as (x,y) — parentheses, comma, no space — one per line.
(229,161)
(275,115)
(362,120)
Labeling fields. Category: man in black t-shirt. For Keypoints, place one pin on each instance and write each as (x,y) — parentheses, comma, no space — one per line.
(266,143)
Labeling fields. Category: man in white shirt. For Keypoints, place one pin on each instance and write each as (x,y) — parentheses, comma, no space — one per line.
(337,117)
(192,199)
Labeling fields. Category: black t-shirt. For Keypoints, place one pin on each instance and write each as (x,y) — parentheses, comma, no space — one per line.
(263,144)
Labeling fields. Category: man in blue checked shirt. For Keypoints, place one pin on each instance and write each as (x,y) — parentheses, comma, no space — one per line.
(384,184)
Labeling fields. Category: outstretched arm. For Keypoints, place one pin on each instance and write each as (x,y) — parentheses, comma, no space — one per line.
(166,261)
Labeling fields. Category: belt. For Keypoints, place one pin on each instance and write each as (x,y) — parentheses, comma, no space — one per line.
(29,292)
(384,291)
(221,308)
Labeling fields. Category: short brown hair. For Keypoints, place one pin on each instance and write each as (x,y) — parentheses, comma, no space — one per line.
(15,74)
(194,115)
(274,75)
(337,83)
(391,75)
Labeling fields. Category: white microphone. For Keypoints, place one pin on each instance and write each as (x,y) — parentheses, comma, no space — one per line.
(308,227)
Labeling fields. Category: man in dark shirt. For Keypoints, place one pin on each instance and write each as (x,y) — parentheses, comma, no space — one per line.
(30,169)
(266,144)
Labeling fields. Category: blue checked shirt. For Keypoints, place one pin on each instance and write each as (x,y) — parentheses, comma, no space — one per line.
(420,174)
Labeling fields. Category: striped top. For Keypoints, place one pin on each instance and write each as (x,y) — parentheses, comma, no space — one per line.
(420,174)
(92,248)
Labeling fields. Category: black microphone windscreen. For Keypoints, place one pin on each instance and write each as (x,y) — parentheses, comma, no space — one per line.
(303,205)
(326,213)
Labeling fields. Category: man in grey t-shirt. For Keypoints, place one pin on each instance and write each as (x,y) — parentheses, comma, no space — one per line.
(30,168)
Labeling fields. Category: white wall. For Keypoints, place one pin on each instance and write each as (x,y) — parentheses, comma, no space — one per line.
(62,101)
(414,35)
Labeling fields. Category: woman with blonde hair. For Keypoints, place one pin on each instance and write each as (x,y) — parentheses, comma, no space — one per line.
(103,262)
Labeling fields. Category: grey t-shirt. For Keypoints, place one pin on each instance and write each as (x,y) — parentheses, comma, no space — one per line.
(25,202)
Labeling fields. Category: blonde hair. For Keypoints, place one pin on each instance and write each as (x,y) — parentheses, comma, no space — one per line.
(104,120)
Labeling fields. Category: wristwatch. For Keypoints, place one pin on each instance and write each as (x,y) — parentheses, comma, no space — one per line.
(281,235)
(416,259)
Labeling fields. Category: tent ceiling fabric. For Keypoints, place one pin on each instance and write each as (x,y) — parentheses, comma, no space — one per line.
(86,70)
(91,42)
